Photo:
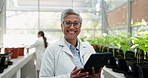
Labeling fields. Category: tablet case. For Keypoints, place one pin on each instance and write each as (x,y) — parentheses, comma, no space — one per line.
(97,61)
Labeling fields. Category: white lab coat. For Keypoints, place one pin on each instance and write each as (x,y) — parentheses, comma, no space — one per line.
(58,60)
(39,51)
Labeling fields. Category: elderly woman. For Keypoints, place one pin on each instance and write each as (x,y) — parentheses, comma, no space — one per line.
(65,58)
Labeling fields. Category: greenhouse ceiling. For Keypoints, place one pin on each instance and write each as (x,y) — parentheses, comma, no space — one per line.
(52,5)
(58,5)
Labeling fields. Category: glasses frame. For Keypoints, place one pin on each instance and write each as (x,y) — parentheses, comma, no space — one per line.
(70,23)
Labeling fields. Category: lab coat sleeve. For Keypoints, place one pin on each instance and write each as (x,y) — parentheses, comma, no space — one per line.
(36,43)
(47,67)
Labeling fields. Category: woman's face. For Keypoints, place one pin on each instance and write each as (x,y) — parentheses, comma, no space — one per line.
(71,27)
(39,35)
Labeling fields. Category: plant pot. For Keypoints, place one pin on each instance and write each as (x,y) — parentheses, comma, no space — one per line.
(112,63)
(5,58)
(145,61)
(119,53)
(122,67)
(133,68)
(97,50)
(136,71)
(1,70)
(130,55)
(140,54)
(104,49)
(14,51)
(142,70)
(8,50)
(21,51)
(96,47)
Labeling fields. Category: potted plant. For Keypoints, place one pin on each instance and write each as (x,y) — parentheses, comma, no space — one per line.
(140,43)
(123,44)
(94,41)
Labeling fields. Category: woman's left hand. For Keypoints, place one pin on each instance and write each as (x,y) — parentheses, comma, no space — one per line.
(94,75)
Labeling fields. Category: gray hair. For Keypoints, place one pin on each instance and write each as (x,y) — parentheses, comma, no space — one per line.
(68,12)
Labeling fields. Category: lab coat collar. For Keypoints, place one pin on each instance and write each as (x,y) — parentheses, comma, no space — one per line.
(82,48)
(65,47)
(67,50)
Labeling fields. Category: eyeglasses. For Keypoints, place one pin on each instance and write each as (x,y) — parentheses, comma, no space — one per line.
(75,24)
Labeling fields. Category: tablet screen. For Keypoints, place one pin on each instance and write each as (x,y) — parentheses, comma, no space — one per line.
(97,61)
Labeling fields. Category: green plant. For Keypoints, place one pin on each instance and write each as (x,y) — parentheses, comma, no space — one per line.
(122,42)
(108,41)
(105,41)
(142,23)
(140,42)
(83,38)
(93,40)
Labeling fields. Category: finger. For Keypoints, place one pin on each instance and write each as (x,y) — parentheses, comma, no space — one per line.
(77,70)
(93,71)
(100,70)
(99,73)
(72,73)
(81,75)
(74,68)
(90,76)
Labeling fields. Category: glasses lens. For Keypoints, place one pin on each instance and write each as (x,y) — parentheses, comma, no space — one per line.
(67,24)
(76,24)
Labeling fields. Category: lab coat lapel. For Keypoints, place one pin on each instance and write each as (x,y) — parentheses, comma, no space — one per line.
(82,51)
(65,47)
(67,50)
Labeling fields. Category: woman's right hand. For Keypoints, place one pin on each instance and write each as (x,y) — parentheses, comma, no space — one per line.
(76,73)
(27,50)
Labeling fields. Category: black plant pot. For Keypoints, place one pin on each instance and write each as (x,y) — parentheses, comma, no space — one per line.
(114,51)
(97,50)
(135,68)
(130,55)
(119,53)
(142,70)
(5,61)
(1,70)
(122,67)
(112,63)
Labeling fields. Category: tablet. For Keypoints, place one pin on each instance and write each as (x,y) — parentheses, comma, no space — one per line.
(97,61)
